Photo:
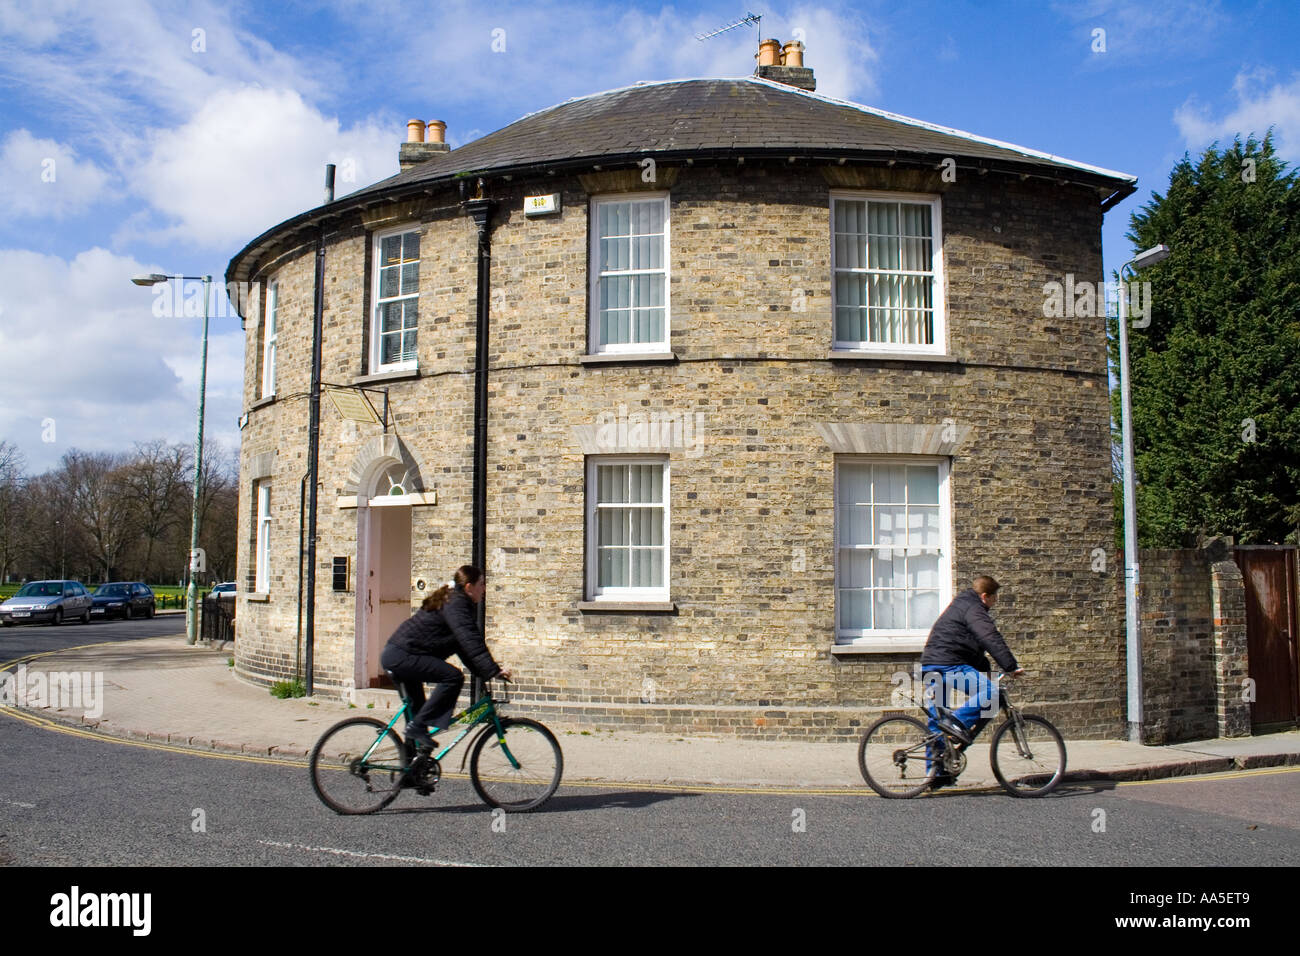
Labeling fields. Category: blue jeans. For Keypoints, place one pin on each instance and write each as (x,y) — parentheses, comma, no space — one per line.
(981,697)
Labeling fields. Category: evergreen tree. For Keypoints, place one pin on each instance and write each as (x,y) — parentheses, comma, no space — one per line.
(1216,374)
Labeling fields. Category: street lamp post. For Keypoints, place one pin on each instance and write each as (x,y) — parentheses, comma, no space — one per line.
(192,591)
(1133,638)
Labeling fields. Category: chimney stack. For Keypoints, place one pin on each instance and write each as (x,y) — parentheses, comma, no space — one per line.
(416,149)
(784,64)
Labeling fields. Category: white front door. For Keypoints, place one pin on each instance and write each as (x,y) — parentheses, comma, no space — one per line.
(383,584)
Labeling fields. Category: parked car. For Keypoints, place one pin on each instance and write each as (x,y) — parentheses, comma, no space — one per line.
(225,593)
(126,599)
(52,601)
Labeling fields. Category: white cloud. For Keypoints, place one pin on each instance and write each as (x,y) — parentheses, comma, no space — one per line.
(839,51)
(250,158)
(557,50)
(111,68)
(1150,29)
(1258,107)
(80,345)
(39,177)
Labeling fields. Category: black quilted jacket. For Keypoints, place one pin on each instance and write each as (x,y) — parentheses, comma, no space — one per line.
(963,634)
(453,630)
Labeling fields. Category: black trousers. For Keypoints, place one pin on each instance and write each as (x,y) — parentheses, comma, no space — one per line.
(413,671)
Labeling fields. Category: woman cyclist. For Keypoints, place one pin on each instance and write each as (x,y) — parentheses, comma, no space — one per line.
(416,654)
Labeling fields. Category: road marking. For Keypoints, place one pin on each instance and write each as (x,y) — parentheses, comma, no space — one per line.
(367,856)
(25,806)
(859,791)
(1204,777)
(46,724)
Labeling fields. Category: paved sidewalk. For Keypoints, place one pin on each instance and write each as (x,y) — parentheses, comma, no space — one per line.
(161,689)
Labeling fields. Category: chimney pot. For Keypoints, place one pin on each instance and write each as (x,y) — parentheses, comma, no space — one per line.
(437,131)
(769,53)
(414,131)
(792,54)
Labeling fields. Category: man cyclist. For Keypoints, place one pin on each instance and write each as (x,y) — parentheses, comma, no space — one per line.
(954,656)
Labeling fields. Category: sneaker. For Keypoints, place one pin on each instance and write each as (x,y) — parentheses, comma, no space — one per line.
(417,737)
(943,780)
(415,772)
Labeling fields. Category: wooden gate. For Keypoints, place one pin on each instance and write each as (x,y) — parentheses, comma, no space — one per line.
(1272,630)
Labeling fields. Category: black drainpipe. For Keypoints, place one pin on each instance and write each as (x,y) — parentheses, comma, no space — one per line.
(313,460)
(313,439)
(480,210)
(302,524)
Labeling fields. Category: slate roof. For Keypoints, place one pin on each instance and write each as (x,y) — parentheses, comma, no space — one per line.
(746,115)
(721,118)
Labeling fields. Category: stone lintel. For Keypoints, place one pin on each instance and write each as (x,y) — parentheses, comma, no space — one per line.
(261,466)
(629,180)
(884,177)
(878,438)
(408,211)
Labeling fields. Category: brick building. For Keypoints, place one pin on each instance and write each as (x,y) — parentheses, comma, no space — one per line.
(770,379)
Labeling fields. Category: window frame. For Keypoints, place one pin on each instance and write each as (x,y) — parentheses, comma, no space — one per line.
(938,290)
(593,591)
(262,529)
(377,300)
(896,639)
(270,338)
(594,274)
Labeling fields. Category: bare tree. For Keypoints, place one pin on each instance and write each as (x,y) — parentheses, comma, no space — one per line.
(219,508)
(117,515)
(155,485)
(100,504)
(12,464)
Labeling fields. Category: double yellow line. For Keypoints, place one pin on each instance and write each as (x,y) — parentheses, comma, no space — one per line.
(46,723)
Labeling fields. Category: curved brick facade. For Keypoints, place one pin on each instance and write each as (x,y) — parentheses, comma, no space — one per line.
(1018,412)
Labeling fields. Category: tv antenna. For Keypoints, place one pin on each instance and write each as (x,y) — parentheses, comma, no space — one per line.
(756,19)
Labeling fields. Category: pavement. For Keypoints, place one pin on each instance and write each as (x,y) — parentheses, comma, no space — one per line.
(170,693)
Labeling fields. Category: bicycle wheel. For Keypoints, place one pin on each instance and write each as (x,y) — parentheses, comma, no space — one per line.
(348,781)
(1028,756)
(892,756)
(499,783)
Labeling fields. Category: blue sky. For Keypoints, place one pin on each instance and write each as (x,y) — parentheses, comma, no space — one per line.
(145,135)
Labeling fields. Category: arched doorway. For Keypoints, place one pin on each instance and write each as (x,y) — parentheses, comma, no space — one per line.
(388,484)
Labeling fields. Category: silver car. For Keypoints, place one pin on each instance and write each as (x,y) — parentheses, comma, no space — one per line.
(52,601)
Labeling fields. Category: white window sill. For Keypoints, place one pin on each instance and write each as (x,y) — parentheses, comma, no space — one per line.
(387,375)
(855,355)
(260,597)
(880,645)
(626,606)
(609,358)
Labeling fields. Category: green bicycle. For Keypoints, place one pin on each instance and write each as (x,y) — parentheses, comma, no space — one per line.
(360,764)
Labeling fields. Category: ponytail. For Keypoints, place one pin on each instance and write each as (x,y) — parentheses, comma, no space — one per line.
(465,574)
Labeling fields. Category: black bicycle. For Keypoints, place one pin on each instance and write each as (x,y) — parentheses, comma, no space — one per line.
(900,756)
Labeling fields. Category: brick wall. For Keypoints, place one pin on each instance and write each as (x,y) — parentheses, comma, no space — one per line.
(749,646)
(1193,630)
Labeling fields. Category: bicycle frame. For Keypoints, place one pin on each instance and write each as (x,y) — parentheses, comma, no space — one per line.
(474,715)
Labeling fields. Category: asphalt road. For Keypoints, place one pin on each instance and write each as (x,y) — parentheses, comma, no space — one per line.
(25,639)
(71,799)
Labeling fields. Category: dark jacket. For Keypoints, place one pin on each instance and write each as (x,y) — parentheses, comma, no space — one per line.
(963,634)
(452,630)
